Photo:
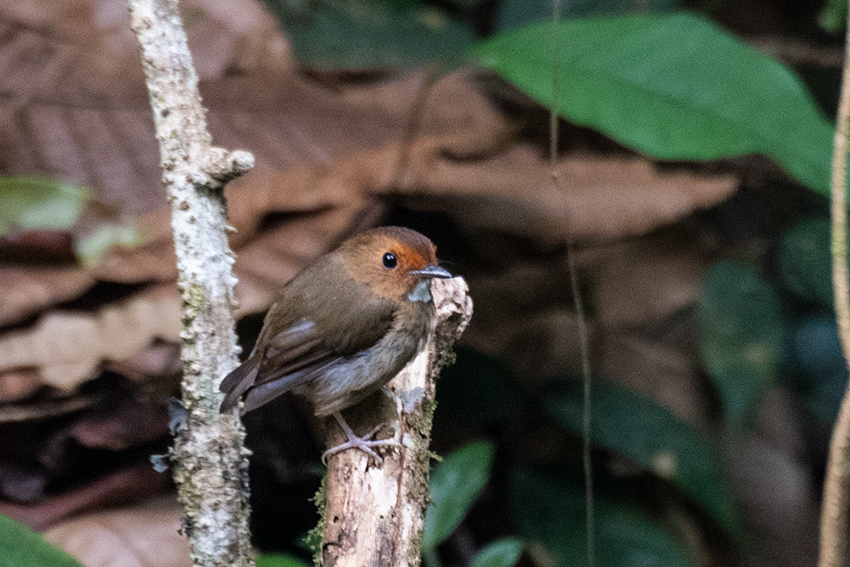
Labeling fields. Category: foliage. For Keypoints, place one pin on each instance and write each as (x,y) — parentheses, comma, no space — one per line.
(742,337)
(502,553)
(21,547)
(549,507)
(279,560)
(37,203)
(32,203)
(91,248)
(814,365)
(515,14)
(654,438)
(833,16)
(806,262)
(336,34)
(675,87)
(456,484)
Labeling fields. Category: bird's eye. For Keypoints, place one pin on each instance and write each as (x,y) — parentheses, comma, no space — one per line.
(390,261)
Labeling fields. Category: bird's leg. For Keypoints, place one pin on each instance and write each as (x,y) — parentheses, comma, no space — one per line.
(364,443)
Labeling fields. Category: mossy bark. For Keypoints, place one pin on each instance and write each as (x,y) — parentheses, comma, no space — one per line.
(209,460)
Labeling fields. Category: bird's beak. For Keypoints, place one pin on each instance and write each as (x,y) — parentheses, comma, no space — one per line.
(432,272)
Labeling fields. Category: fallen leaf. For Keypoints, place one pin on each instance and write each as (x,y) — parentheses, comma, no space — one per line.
(67,347)
(594,199)
(122,426)
(660,372)
(642,279)
(28,289)
(145,535)
(132,484)
(159,358)
(19,384)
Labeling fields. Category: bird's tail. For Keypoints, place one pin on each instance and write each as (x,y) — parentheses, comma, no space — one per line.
(237,382)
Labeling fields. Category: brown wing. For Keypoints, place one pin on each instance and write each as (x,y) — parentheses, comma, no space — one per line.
(337,328)
(292,357)
(287,359)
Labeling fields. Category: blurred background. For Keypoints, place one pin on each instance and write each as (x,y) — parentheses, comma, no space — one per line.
(693,156)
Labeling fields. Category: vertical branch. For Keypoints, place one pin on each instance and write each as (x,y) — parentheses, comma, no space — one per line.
(375,515)
(208,456)
(578,303)
(834,523)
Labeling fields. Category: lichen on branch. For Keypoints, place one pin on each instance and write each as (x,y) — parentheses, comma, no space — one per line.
(208,457)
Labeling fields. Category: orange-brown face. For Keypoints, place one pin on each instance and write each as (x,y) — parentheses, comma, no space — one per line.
(386,258)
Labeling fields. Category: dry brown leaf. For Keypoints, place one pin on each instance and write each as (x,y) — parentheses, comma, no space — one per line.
(595,199)
(232,37)
(126,425)
(48,407)
(28,289)
(511,193)
(278,254)
(152,261)
(87,47)
(34,282)
(659,372)
(146,535)
(638,280)
(78,111)
(19,384)
(159,358)
(67,347)
(453,107)
(39,246)
(77,114)
(128,485)
(301,134)
(296,193)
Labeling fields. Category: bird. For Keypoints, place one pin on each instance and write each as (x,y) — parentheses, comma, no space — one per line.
(342,328)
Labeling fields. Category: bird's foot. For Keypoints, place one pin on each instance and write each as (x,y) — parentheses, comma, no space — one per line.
(364,443)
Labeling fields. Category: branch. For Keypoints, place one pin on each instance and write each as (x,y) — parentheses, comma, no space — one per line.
(833,534)
(210,466)
(375,515)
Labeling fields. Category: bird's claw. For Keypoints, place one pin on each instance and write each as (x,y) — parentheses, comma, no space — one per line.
(364,443)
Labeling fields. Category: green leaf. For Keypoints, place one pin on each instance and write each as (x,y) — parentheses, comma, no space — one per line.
(833,16)
(501,553)
(742,336)
(515,14)
(279,560)
(551,509)
(367,34)
(21,547)
(91,248)
(819,370)
(456,484)
(806,260)
(36,203)
(654,438)
(675,87)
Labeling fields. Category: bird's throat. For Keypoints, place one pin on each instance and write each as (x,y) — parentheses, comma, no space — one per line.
(422,292)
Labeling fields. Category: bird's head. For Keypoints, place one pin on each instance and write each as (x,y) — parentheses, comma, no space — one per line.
(395,262)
